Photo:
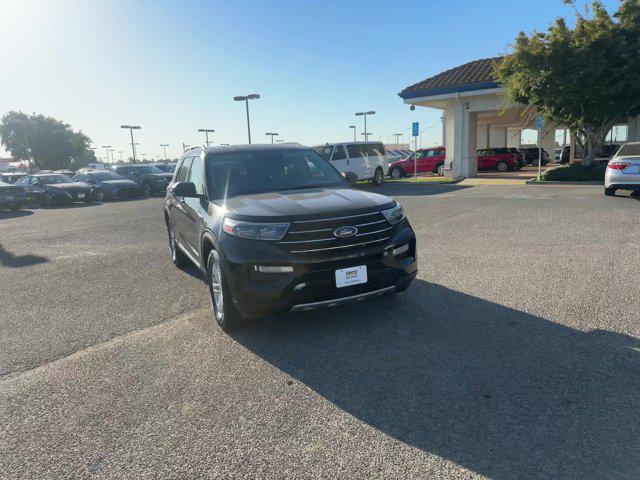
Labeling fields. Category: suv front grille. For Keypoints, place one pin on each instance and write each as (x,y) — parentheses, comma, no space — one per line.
(316,238)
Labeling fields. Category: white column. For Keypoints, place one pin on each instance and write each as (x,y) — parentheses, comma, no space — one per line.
(461,141)
(548,139)
(633,129)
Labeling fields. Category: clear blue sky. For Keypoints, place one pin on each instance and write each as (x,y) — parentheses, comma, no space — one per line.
(174,67)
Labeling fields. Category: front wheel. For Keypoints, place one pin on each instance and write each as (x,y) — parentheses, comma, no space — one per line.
(146,189)
(502,167)
(378,177)
(396,173)
(100,195)
(224,311)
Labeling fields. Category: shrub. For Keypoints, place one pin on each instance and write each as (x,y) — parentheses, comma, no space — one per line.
(576,173)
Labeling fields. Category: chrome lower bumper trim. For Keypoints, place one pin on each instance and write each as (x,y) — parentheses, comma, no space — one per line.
(339,301)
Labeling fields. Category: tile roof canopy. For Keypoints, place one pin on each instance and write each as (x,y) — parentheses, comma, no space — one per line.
(476,75)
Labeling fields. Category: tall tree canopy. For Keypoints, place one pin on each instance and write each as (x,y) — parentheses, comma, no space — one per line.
(586,77)
(49,143)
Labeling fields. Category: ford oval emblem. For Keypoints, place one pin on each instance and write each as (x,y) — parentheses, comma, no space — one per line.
(345,232)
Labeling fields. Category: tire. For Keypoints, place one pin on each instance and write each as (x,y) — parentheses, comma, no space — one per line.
(225,313)
(378,177)
(610,191)
(146,189)
(178,257)
(502,167)
(100,195)
(440,169)
(396,173)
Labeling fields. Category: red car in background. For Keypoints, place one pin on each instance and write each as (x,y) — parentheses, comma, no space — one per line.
(429,160)
(500,159)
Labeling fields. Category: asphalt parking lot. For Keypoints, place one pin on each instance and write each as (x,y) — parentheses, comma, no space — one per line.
(515,354)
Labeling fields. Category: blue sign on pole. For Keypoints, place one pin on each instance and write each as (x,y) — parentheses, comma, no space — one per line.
(416,129)
(539,122)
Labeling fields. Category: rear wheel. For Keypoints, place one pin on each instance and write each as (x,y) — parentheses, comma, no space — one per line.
(100,196)
(440,169)
(224,311)
(378,177)
(396,173)
(610,191)
(146,189)
(178,257)
(502,166)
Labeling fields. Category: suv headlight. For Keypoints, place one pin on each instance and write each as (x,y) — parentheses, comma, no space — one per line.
(394,215)
(253,230)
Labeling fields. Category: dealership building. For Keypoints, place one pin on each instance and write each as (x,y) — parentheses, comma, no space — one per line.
(469,97)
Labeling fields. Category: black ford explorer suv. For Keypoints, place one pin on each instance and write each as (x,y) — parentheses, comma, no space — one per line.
(276,228)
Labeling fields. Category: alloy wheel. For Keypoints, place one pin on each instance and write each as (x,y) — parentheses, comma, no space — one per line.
(217,299)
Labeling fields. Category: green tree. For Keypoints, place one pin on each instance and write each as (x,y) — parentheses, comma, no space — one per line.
(45,142)
(586,77)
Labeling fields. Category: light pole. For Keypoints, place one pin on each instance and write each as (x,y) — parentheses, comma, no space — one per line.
(133,145)
(272,134)
(364,114)
(165,145)
(143,155)
(397,135)
(354,131)
(106,149)
(113,157)
(206,131)
(120,152)
(246,98)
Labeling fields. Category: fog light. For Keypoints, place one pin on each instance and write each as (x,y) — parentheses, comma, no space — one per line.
(274,268)
(400,250)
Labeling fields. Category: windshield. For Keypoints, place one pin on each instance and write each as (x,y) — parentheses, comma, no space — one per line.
(166,168)
(147,169)
(244,172)
(629,149)
(52,179)
(102,176)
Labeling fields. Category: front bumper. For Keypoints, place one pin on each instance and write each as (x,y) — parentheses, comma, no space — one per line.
(312,283)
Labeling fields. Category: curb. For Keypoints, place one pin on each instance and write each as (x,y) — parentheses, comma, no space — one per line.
(560,182)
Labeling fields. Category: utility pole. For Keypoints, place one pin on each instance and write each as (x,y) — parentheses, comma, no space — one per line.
(165,145)
(133,145)
(106,149)
(364,114)
(246,98)
(354,131)
(272,134)
(206,131)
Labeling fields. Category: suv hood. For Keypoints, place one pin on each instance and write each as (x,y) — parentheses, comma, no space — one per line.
(70,186)
(120,183)
(313,201)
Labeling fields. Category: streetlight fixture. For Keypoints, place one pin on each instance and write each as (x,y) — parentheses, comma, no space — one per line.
(246,98)
(165,145)
(106,149)
(364,114)
(354,131)
(397,135)
(272,134)
(206,131)
(113,157)
(133,145)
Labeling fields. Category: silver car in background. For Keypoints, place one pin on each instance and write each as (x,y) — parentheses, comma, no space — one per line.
(623,170)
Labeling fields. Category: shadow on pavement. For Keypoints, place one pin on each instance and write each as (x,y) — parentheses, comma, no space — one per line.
(5,214)
(496,390)
(8,259)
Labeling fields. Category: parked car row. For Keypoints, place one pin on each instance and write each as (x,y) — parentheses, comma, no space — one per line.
(50,188)
(432,160)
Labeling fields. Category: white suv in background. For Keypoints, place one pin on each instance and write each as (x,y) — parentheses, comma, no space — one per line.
(366,159)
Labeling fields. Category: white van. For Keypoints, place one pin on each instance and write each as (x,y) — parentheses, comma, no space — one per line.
(366,159)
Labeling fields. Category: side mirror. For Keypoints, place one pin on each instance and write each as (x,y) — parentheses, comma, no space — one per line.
(184,189)
(350,177)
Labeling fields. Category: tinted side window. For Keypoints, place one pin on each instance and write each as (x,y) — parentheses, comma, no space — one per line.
(195,174)
(356,151)
(376,149)
(339,153)
(183,171)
